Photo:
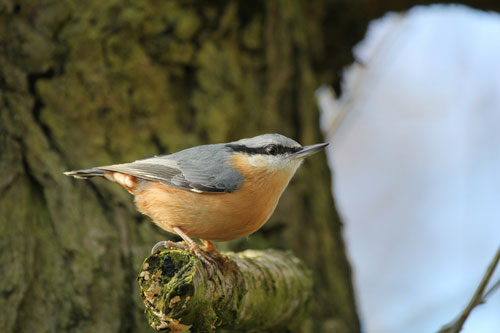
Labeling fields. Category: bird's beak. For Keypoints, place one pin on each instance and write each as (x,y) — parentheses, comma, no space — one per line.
(309,150)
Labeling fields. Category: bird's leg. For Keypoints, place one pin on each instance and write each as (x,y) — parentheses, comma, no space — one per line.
(207,255)
(209,246)
(169,244)
(191,243)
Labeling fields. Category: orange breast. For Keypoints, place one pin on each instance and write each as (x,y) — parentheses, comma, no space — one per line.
(219,217)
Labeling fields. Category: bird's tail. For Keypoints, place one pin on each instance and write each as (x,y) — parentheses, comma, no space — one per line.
(85,173)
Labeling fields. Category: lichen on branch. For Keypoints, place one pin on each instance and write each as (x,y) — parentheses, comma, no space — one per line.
(250,290)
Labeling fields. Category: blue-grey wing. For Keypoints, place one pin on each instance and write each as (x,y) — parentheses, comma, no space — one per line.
(199,169)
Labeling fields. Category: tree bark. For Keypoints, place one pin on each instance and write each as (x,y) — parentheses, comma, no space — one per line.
(247,291)
(100,82)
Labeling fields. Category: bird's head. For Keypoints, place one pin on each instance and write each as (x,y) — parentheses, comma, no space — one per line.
(274,152)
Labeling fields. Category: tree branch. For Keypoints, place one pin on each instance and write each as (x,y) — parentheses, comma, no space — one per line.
(478,298)
(492,289)
(252,290)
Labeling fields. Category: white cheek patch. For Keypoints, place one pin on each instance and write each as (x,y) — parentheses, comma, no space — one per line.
(273,163)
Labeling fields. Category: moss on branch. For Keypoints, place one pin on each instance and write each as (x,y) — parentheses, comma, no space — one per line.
(253,290)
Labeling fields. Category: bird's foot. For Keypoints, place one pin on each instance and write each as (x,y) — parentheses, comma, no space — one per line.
(209,247)
(169,245)
(211,260)
(209,257)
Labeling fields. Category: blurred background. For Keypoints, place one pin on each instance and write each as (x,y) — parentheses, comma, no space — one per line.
(397,233)
(416,159)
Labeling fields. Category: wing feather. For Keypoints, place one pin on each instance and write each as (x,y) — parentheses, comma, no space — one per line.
(204,169)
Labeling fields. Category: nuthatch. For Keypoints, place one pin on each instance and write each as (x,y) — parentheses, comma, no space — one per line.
(215,192)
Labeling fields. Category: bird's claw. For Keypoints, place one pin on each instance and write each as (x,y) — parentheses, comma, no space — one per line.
(208,259)
(169,244)
(211,260)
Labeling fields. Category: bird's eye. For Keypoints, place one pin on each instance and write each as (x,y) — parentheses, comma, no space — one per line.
(272,149)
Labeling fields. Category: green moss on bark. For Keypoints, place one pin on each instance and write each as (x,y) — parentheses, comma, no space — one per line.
(253,291)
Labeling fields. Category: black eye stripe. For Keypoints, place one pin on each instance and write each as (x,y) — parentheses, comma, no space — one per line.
(263,150)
